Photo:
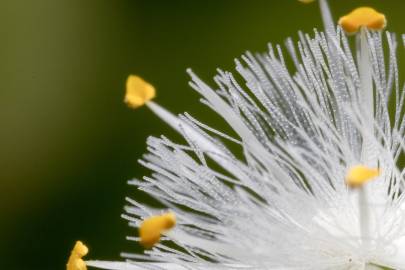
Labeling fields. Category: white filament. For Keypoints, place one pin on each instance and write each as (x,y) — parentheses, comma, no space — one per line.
(367,102)
(273,196)
(327,17)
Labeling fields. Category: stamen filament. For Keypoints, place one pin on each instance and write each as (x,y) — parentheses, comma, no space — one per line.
(356,177)
(366,76)
(367,156)
(327,18)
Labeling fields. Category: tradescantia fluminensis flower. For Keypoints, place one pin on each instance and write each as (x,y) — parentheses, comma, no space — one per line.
(315,182)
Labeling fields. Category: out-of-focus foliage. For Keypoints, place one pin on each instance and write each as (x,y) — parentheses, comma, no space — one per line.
(68,143)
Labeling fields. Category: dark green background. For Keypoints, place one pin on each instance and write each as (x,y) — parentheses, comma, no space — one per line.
(68,144)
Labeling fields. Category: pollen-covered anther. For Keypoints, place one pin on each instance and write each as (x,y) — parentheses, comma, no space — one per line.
(363,17)
(360,174)
(152,228)
(138,91)
(75,261)
(306,1)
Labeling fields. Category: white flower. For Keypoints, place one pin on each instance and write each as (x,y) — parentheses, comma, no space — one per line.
(274,195)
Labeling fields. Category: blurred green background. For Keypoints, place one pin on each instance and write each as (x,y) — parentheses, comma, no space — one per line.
(69,144)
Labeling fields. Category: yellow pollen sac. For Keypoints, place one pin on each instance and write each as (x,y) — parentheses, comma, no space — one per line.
(138,92)
(363,17)
(306,1)
(152,228)
(75,261)
(360,174)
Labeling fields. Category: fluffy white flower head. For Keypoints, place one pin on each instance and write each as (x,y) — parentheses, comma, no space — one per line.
(275,196)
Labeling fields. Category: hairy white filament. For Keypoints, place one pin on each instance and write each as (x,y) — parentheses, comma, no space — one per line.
(273,196)
(367,155)
(327,18)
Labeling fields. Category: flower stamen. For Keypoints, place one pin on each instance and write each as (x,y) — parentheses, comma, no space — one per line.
(138,92)
(306,1)
(75,261)
(363,17)
(358,175)
(152,228)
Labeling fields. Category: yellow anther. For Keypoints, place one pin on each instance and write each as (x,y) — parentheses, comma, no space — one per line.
(75,261)
(360,174)
(152,228)
(138,92)
(363,17)
(306,1)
